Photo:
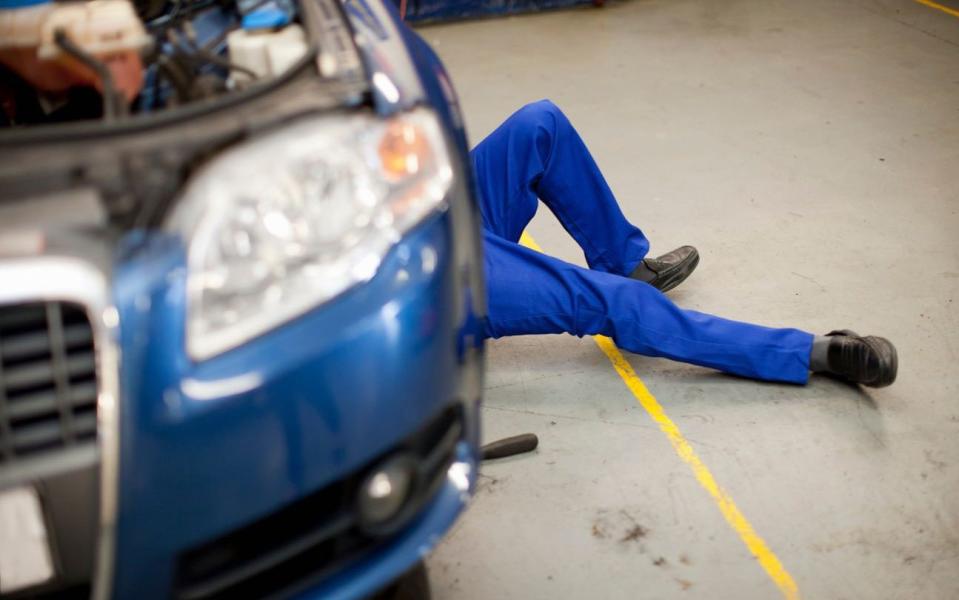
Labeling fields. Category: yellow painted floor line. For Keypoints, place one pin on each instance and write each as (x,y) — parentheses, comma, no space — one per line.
(937,6)
(757,546)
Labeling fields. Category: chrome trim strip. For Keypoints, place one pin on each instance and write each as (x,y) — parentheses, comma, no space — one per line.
(61,278)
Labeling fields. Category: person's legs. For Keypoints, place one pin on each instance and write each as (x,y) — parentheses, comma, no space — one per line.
(532,293)
(536,153)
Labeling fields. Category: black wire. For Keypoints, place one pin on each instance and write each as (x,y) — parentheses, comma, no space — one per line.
(220,61)
(177,4)
(195,51)
(111,108)
(169,20)
(157,79)
(174,73)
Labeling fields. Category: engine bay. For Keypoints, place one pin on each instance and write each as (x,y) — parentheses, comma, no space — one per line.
(63,61)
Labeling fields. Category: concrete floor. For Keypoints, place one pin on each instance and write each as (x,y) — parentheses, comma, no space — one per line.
(811,151)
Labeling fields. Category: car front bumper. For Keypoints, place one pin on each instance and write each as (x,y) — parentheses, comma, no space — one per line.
(208,448)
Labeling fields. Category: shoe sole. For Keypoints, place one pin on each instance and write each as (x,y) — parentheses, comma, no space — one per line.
(888,361)
(679,275)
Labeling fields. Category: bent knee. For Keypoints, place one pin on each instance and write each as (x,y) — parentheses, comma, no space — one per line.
(540,114)
(544,107)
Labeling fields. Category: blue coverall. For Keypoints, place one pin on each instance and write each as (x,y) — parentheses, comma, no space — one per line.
(536,154)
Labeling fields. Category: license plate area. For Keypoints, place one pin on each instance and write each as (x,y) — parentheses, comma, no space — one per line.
(25,558)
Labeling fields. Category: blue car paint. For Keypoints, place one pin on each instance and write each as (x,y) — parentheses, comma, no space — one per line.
(208,447)
(395,80)
(312,401)
(362,15)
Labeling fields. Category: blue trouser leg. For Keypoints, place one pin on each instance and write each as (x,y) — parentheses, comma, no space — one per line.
(536,153)
(533,293)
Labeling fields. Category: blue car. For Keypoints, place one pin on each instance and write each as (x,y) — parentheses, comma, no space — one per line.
(241,351)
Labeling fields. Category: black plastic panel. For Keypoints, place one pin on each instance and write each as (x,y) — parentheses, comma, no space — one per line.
(48,384)
(300,544)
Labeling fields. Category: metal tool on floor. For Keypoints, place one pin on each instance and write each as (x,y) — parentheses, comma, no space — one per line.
(511,446)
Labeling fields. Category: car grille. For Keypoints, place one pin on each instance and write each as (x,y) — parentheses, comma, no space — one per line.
(310,539)
(48,384)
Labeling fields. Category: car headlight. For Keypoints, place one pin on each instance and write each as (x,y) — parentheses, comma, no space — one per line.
(291,219)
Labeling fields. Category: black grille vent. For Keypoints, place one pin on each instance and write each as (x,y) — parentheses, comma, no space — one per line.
(48,384)
(310,539)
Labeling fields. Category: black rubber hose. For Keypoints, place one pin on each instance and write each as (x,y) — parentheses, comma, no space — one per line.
(111,106)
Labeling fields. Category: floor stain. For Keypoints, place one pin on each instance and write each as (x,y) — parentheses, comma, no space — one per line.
(634,533)
(620,526)
(684,559)
(487,483)
(660,562)
(637,532)
(684,584)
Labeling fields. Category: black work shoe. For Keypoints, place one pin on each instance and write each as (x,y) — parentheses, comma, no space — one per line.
(868,360)
(669,270)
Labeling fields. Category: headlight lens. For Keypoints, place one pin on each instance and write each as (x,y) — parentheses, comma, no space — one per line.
(289,220)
